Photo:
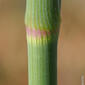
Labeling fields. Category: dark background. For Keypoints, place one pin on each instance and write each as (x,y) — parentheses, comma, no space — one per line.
(13,48)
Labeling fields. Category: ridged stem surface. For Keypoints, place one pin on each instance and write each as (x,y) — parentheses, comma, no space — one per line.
(42,20)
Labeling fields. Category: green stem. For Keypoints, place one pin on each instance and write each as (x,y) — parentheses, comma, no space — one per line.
(42,19)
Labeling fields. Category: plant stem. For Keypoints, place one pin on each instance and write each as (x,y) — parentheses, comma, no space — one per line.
(42,19)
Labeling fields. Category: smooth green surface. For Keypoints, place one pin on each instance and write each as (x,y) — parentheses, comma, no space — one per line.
(42,62)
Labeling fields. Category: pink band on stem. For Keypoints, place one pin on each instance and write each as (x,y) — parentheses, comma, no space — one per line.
(34,33)
(44,33)
(28,31)
(38,33)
